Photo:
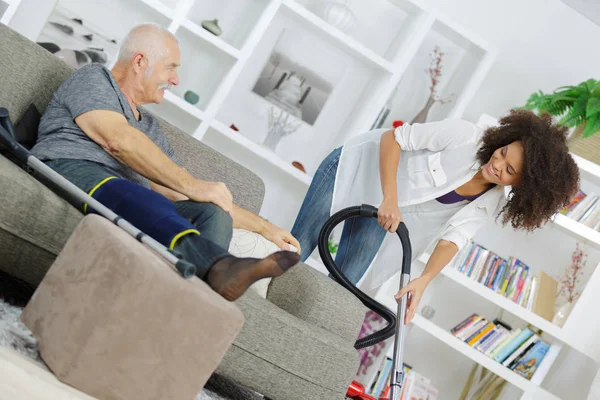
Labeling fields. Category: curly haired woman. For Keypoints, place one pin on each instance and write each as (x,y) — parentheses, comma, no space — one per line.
(444,180)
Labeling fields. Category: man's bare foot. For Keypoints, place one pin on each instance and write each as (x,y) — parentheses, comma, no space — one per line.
(232,276)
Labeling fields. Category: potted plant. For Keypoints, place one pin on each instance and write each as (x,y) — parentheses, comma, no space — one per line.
(578,107)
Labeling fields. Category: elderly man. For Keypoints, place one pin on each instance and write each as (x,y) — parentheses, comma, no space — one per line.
(94,134)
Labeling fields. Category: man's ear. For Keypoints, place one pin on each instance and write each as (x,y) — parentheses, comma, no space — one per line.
(139,62)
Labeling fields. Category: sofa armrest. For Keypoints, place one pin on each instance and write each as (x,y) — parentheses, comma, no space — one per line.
(207,164)
(315,298)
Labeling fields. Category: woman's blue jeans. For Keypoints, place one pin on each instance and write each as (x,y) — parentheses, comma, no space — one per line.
(361,237)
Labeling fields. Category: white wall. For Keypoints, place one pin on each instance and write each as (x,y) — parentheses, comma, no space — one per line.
(542,44)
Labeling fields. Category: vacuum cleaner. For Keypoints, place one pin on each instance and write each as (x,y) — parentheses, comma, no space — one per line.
(395,321)
(72,193)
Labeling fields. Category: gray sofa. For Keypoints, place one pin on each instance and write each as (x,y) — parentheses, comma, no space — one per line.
(296,344)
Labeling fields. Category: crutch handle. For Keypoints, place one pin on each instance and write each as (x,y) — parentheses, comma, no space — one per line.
(7,136)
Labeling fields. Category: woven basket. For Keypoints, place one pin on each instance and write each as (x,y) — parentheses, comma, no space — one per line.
(588,148)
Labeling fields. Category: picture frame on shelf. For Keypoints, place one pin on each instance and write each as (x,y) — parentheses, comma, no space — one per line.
(75,40)
(289,82)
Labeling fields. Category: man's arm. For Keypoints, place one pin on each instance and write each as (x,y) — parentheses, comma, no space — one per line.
(133,148)
(244,219)
(168,193)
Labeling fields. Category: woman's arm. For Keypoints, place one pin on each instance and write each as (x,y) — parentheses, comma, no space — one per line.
(389,215)
(440,257)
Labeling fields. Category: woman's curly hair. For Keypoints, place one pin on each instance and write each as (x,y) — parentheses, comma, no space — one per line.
(549,178)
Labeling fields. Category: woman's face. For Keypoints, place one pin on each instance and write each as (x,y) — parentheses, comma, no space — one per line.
(505,165)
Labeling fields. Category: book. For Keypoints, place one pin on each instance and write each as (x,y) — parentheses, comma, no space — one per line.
(520,350)
(502,344)
(513,345)
(530,362)
(545,297)
(471,318)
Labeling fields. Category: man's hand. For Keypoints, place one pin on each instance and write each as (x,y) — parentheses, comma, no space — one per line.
(280,237)
(414,290)
(389,215)
(211,192)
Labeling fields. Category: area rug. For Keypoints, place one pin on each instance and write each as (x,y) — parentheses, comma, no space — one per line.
(15,335)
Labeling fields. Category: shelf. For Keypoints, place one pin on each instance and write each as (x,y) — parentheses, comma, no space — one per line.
(463,66)
(508,305)
(345,41)
(236,18)
(177,112)
(262,152)
(184,105)
(204,65)
(160,7)
(478,357)
(587,166)
(577,229)
(210,38)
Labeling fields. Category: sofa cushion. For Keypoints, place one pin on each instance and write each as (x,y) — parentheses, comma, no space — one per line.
(313,297)
(35,223)
(29,74)
(305,355)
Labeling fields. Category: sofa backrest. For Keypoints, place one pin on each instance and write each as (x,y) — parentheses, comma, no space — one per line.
(30,74)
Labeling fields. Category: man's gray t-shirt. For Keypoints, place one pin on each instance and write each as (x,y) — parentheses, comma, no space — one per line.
(92,87)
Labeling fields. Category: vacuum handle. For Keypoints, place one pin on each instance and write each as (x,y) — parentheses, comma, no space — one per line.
(369,211)
(7,137)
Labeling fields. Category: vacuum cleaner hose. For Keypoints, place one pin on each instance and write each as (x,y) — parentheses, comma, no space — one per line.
(364,211)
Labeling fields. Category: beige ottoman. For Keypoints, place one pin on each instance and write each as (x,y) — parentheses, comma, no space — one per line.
(114,320)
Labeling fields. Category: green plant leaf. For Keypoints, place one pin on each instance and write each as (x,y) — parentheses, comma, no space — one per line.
(596,90)
(576,115)
(589,84)
(592,126)
(593,107)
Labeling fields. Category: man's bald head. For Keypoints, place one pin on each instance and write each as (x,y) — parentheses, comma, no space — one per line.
(150,39)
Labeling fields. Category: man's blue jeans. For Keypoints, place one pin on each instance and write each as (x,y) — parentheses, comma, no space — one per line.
(361,237)
(214,224)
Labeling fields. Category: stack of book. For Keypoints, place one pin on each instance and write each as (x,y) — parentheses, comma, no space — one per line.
(521,350)
(380,386)
(510,277)
(414,385)
(584,209)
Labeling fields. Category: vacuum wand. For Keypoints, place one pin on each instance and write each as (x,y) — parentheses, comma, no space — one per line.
(397,372)
(7,138)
